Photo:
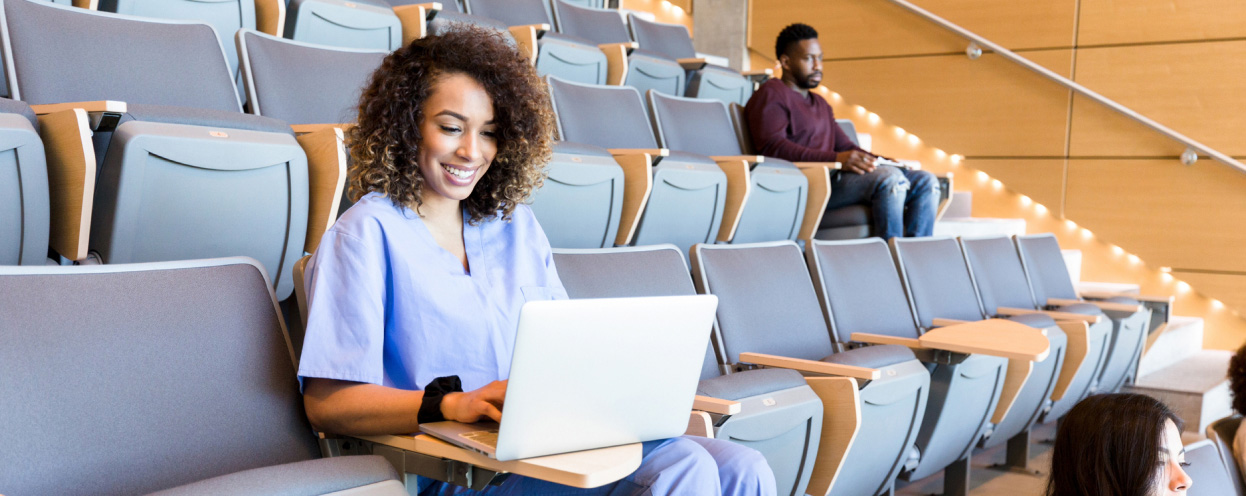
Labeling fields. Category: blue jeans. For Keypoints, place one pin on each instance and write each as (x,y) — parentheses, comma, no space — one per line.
(903,202)
(684,465)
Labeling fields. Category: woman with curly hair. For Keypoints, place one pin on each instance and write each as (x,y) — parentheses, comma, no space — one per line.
(1119,445)
(414,294)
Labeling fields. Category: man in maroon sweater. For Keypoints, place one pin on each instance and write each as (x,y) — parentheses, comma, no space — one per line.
(788,121)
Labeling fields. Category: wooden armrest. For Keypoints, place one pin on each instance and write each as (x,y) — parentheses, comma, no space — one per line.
(1015,376)
(1102,295)
(1103,305)
(995,337)
(693,64)
(700,425)
(865,337)
(312,128)
(811,366)
(95,106)
(815,201)
(326,179)
(270,17)
(1074,355)
(841,421)
(946,322)
(739,185)
(86,4)
(637,184)
(585,469)
(71,179)
(752,159)
(616,61)
(715,405)
(414,20)
(822,165)
(653,152)
(526,36)
(1058,316)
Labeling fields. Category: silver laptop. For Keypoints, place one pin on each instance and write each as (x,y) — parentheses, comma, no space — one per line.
(594,373)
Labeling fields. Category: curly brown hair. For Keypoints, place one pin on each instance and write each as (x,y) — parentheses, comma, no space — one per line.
(385,141)
(1237,380)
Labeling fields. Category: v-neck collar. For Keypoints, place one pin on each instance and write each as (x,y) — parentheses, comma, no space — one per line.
(472,247)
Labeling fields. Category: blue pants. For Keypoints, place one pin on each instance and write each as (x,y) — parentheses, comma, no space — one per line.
(679,466)
(903,202)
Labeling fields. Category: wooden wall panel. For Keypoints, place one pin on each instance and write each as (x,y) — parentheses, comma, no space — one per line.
(1040,179)
(1148,21)
(872,28)
(1193,88)
(1169,214)
(985,107)
(1228,288)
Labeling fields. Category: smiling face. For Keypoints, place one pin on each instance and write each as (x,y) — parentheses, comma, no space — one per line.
(1172,480)
(802,64)
(459,138)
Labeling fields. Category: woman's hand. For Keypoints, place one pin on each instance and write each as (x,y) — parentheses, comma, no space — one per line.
(471,406)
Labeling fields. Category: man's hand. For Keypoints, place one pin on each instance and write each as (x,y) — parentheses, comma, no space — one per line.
(856,161)
(471,406)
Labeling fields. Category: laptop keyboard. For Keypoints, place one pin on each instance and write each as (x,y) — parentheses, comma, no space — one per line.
(488,438)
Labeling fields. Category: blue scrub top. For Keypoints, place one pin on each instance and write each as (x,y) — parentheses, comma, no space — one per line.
(389,306)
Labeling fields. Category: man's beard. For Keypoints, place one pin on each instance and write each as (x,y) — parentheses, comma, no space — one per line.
(807,83)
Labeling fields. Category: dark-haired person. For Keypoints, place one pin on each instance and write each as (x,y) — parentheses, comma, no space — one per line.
(415,291)
(788,121)
(1237,384)
(1119,445)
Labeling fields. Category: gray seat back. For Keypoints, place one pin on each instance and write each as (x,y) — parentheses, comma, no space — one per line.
(937,278)
(67,54)
(670,40)
(692,125)
(849,129)
(766,301)
(604,116)
(24,201)
(860,290)
(656,270)
(999,273)
(1222,432)
(581,201)
(175,372)
(720,83)
(227,17)
(1049,276)
(511,12)
(364,24)
(598,25)
(301,83)
(1207,470)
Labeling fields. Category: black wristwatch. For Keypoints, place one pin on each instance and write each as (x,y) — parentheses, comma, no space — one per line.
(434,392)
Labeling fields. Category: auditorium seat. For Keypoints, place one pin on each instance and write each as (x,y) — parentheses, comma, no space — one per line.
(1053,289)
(864,301)
(24,202)
(704,80)
(366,24)
(451,15)
(628,64)
(1005,291)
(1207,471)
(669,197)
(568,57)
(780,415)
(156,376)
(941,286)
(1222,432)
(781,198)
(581,202)
(768,315)
(179,171)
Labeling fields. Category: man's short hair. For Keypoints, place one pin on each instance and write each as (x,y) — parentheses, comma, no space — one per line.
(794,33)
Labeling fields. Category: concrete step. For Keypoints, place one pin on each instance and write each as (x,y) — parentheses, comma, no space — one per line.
(972,227)
(1180,339)
(1196,388)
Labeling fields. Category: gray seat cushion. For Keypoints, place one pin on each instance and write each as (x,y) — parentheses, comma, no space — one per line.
(204,117)
(1082,308)
(873,356)
(311,477)
(1036,320)
(8,106)
(851,215)
(750,383)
